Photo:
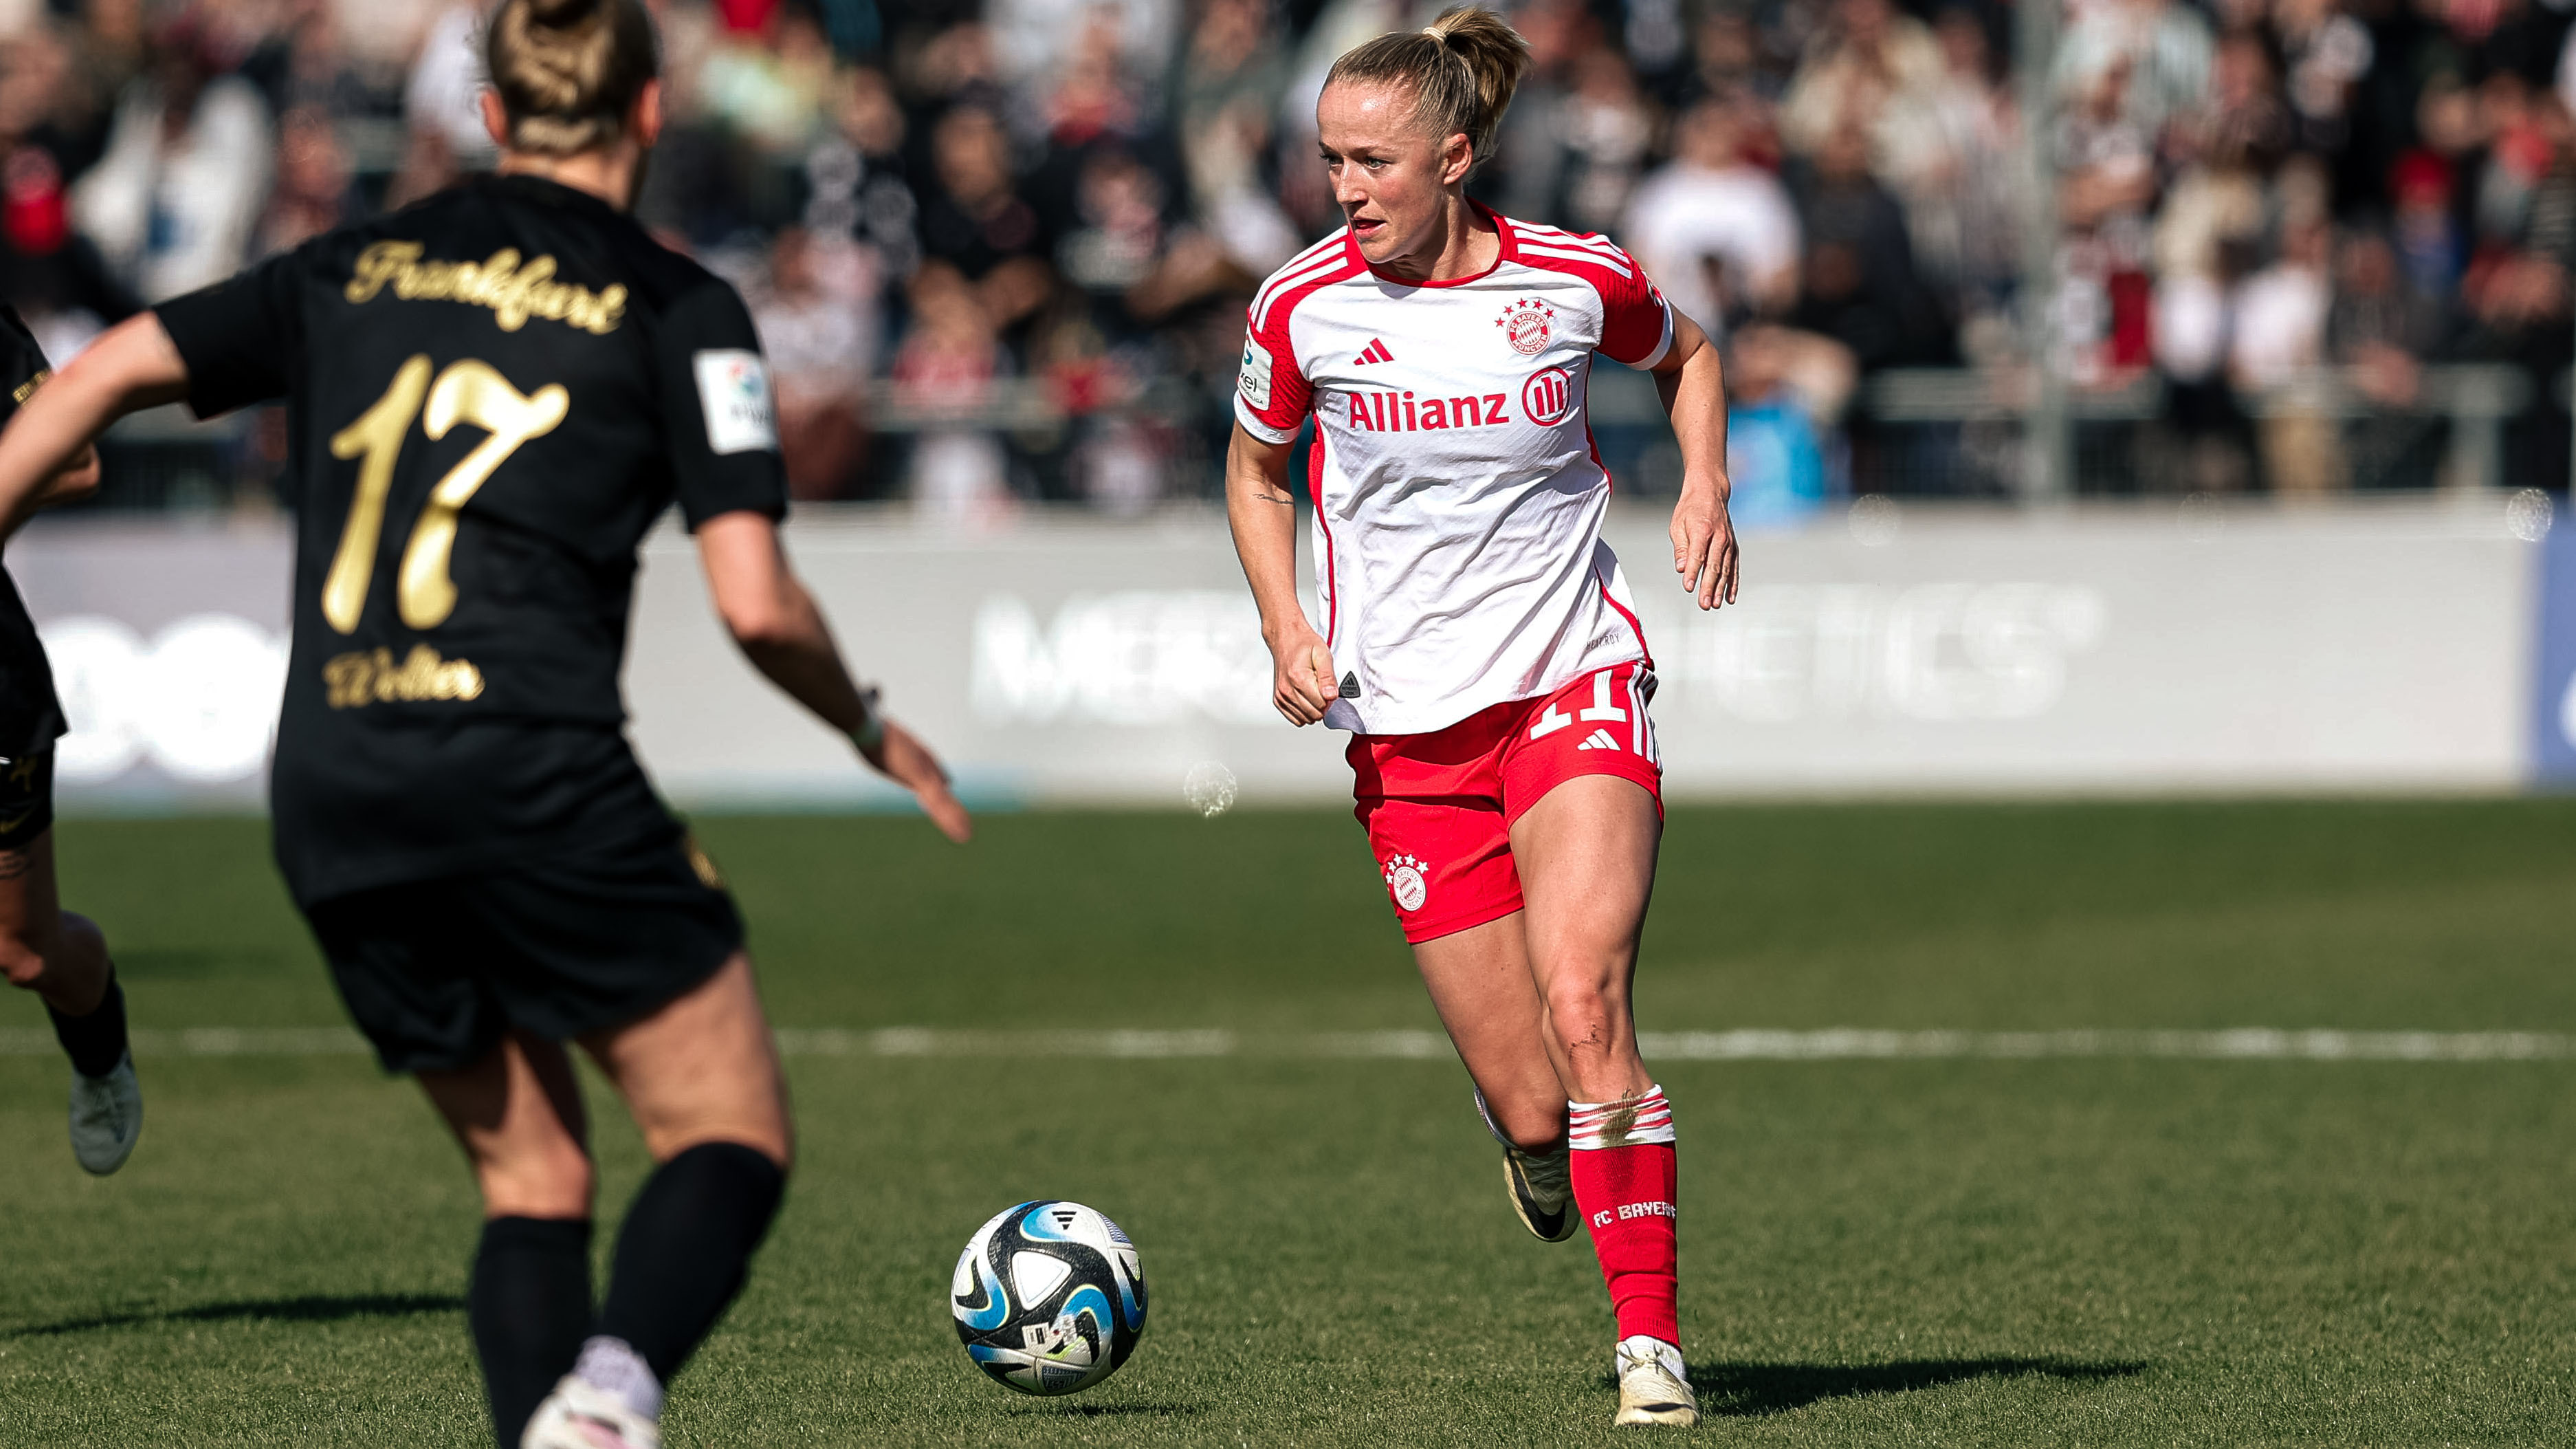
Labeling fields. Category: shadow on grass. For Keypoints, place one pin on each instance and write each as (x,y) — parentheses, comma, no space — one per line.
(1105,1411)
(309,1308)
(1750,1390)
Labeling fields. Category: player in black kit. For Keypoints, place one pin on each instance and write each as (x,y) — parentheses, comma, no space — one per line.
(491,396)
(44,948)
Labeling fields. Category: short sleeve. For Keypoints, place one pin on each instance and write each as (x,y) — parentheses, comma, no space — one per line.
(22,362)
(1271,394)
(719,421)
(240,338)
(1636,321)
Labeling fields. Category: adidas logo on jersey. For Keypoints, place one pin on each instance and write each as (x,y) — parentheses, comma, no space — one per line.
(1402,412)
(1600,741)
(1374,352)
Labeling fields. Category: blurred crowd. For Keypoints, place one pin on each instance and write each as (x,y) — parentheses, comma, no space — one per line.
(999,249)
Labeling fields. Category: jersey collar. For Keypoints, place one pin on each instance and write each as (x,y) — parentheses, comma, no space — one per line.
(1508,251)
(540,189)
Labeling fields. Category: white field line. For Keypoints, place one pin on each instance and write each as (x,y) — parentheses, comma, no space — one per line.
(1838,1044)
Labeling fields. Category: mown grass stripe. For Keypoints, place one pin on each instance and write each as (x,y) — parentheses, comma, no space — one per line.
(1834,1044)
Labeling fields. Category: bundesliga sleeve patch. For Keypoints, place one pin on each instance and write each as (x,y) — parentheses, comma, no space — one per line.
(1255,378)
(733,391)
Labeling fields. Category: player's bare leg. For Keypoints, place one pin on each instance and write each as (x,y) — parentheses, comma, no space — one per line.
(518,1115)
(1481,984)
(62,957)
(702,1078)
(1586,857)
(703,1069)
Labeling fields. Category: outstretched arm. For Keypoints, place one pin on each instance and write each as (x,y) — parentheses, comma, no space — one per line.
(45,454)
(1263,513)
(1694,393)
(783,634)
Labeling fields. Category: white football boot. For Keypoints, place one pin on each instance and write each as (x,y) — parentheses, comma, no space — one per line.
(1654,1387)
(580,1415)
(107,1117)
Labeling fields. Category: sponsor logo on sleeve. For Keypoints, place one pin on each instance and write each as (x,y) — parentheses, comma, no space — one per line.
(733,391)
(1254,380)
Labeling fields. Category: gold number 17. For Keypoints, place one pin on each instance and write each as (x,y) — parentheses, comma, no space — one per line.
(466,392)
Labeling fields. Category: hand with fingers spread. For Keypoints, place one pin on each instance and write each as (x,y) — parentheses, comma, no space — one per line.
(1704,541)
(1302,684)
(900,757)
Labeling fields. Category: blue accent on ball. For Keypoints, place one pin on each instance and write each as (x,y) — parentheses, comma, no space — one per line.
(997,1304)
(1087,1299)
(1035,1225)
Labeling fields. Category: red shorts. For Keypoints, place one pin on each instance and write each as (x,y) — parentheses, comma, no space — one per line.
(1439,807)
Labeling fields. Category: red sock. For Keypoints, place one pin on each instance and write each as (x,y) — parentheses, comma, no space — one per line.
(1623,1166)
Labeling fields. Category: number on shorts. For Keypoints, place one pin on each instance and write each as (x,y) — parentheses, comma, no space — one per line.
(1602,708)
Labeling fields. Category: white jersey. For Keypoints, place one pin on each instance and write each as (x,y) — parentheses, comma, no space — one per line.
(1458,497)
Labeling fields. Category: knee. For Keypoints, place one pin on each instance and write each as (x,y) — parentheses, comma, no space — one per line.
(81,934)
(1580,1013)
(23,959)
(552,1182)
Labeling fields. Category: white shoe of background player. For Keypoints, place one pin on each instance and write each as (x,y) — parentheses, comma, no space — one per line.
(1654,1387)
(107,1117)
(578,1415)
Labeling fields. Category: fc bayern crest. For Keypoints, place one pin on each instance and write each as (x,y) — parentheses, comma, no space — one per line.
(1407,880)
(1529,324)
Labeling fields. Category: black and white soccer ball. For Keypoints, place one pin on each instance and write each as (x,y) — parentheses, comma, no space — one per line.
(1049,1297)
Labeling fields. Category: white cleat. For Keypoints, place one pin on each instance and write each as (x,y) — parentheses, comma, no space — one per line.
(1654,1387)
(107,1117)
(580,1415)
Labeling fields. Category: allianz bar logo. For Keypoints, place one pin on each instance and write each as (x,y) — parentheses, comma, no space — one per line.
(1402,412)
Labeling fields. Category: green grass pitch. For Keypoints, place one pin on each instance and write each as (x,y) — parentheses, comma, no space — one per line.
(2059,1252)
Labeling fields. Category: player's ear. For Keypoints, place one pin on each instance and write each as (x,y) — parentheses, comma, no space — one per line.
(1457,154)
(495,120)
(644,121)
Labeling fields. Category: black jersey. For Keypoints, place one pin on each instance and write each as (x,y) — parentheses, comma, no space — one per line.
(491,397)
(31,718)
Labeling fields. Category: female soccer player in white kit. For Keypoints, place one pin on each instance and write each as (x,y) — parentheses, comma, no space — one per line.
(1477,636)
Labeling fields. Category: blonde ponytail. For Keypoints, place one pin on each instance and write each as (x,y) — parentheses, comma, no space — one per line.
(567,71)
(1463,68)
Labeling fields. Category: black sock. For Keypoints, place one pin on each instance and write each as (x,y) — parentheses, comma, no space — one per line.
(96,1042)
(682,1254)
(529,1307)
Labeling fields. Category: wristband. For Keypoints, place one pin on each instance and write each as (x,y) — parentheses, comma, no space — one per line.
(870,733)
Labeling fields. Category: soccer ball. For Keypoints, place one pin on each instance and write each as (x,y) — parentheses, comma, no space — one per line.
(1049,1297)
